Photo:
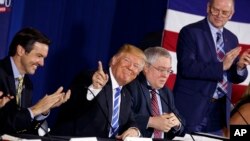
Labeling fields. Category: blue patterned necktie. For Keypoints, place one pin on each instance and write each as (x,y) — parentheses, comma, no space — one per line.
(222,86)
(115,114)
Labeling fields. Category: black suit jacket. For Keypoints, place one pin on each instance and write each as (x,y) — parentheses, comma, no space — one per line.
(80,117)
(14,119)
(142,106)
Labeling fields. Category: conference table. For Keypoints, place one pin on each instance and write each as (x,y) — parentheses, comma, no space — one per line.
(193,137)
(27,137)
(62,138)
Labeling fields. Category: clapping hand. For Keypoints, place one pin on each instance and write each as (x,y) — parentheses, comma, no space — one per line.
(50,101)
(244,59)
(230,57)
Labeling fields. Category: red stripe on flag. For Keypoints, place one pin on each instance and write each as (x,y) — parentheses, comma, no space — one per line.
(169,40)
(237,92)
(171,81)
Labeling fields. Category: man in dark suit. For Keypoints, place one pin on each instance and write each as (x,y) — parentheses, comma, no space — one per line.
(98,114)
(28,50)
(153,78)
(208,64)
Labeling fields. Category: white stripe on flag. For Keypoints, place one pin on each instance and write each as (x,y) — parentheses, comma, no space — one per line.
(176,20)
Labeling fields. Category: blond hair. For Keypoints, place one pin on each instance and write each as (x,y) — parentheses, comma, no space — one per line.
(133,50)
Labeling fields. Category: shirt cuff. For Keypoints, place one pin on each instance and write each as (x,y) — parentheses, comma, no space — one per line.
(31,114)
(177,128)
(138,131)
(241,71)
(41,117)
(38,117)
(92,93)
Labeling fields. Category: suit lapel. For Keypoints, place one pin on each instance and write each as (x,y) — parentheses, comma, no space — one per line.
(145,91)
(226,42)
(147,96)
(208,36)
(27,98)
(164,101)
(123,104)
(109,99)
(12,86)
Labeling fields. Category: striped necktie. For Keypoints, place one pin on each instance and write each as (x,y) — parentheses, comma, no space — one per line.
(19,90)
(222,86)
(115,114)
(155,112)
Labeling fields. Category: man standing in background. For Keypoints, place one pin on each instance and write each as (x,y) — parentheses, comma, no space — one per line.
(208,64)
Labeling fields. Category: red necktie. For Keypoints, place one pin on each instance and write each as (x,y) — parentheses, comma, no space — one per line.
(155,112)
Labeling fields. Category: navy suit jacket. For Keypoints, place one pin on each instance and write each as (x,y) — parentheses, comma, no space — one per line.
(80,117)
(14,119)
(141,102)
(199,71)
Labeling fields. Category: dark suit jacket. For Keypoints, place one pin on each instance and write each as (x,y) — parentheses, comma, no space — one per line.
(141,102)
(199,71)
(92,118)
(12,118)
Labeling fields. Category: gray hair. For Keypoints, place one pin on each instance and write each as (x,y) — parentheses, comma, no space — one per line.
(153,53)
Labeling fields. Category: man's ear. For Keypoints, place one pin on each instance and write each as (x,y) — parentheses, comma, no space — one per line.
(229,18)
(208,8)
(113,60)
(20,50)
(146,67)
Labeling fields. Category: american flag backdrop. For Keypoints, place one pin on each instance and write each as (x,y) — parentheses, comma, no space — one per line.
(182,12)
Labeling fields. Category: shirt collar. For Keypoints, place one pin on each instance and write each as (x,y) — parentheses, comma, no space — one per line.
(16,73)
(113,80)
(150,88)
(213,29)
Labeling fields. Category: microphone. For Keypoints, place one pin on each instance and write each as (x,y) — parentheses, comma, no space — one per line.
(45,131)
(99,105)
(49,137)
(177,115)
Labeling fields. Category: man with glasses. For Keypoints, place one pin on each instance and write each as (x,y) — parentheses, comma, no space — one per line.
(153,102)
(208,64)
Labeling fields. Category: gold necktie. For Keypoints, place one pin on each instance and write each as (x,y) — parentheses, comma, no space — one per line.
(19,90)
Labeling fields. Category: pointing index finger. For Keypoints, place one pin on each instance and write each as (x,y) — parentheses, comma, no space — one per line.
(100,69)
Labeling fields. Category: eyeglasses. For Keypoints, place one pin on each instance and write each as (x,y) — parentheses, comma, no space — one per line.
(161,70)
(225,14)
